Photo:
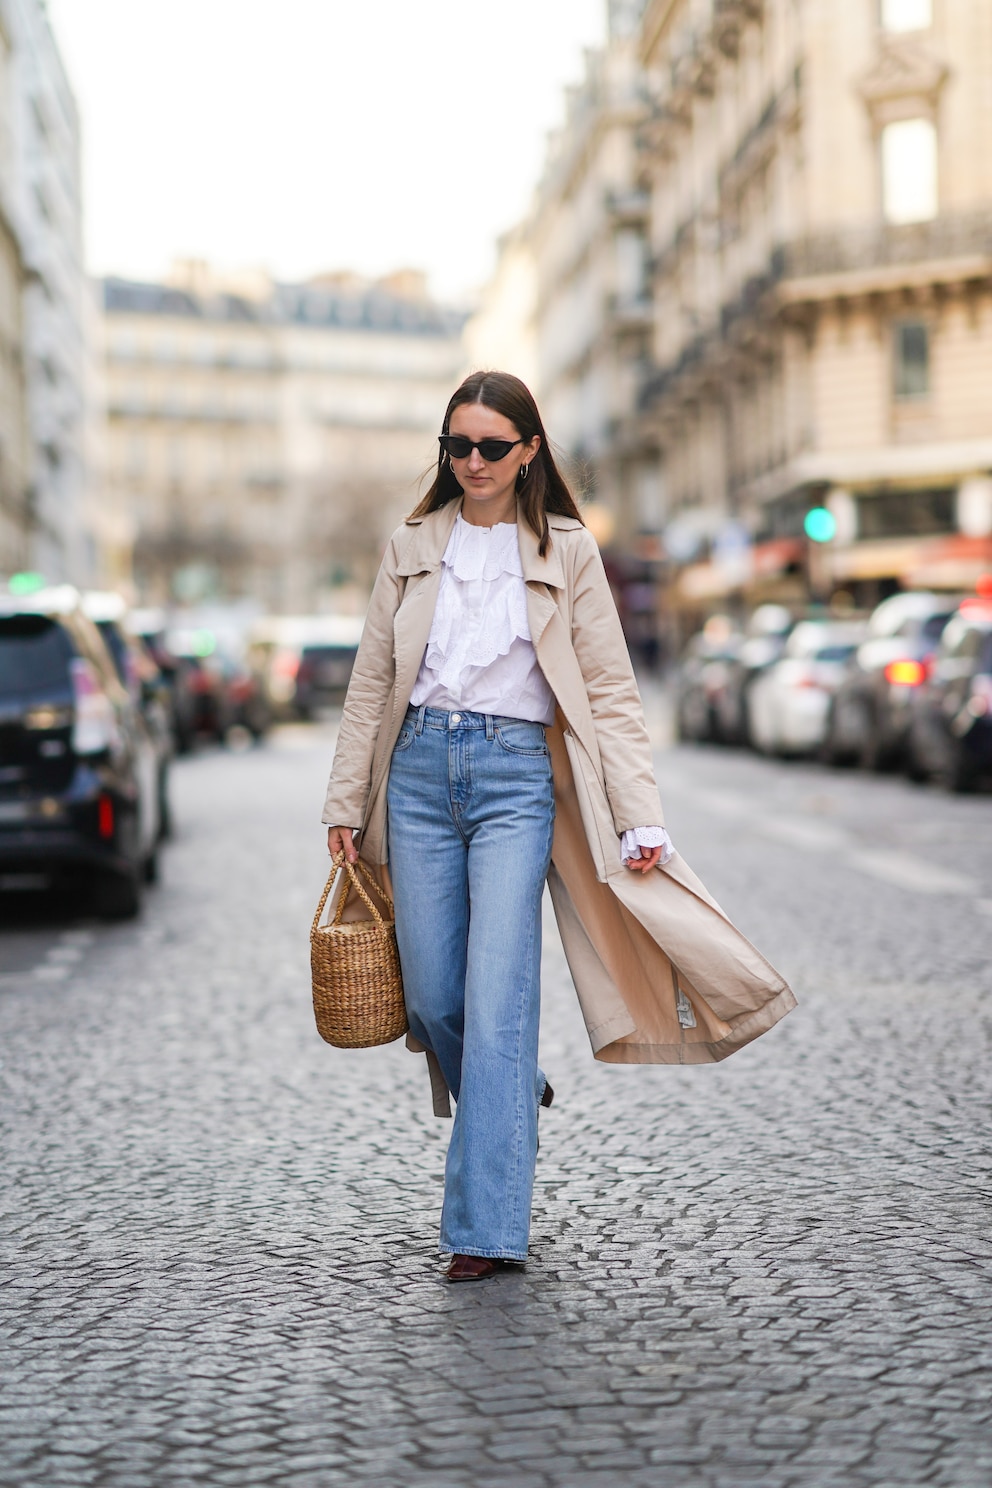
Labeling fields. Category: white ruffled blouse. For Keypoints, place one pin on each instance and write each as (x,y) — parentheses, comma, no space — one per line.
(479,656)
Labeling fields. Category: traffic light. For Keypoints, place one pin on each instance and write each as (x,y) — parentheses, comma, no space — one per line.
(26,583)
(819,524)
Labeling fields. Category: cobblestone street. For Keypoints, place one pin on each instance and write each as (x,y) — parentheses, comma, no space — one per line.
(219,1235)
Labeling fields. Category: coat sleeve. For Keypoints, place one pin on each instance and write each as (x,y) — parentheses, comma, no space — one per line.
(365,702)
(618,714)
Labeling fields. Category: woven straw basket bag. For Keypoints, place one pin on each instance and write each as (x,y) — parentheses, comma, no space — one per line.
(355,967)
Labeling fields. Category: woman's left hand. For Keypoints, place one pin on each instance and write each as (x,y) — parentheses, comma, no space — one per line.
(650,858)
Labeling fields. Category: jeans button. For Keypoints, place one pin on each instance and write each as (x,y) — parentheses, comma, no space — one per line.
(456,718)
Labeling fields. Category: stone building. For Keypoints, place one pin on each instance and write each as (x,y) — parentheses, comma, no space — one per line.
(588,233)
(763,256)
(266,437)
(41,198)
(15,495)
(821,233)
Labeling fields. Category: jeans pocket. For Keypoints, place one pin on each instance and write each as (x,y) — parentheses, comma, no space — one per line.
(405,739)
(525,739)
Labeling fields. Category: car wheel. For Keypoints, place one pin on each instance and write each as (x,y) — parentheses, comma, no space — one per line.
(961,776)
(827,752)
(872,754)
(118,895)
(915,768)
(164,807)
(150,867)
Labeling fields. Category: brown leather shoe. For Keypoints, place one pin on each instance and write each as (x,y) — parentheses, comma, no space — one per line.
(471,1268)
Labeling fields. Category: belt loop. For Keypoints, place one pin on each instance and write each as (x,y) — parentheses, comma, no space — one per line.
(421,715)
(489,727)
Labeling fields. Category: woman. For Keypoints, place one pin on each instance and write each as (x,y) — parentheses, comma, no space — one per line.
(493,739)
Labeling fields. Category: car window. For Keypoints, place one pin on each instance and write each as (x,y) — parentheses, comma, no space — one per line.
(315,653)
(835,653)
(963,642)
(116,645)
(933,626)
(34,655)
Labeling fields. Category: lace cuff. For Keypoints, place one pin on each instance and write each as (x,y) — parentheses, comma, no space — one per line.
(637,837)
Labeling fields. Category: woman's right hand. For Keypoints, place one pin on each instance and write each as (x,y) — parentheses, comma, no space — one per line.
(342,839)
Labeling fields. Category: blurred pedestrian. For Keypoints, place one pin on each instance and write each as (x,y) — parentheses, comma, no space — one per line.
(493,685)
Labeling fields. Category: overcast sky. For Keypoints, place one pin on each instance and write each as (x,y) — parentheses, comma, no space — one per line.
(303,135)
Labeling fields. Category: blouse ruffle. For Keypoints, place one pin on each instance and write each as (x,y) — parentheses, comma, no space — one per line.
(472,626)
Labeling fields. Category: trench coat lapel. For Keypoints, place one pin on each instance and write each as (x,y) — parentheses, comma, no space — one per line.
(420,565)
(541,576)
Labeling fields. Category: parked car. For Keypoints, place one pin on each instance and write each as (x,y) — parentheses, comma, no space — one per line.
(790,700)
(870,716)
(78,770)
(223,691)
(703,675)
(950,732)
(151,628)
(765,635)
(140,673)
(306,661)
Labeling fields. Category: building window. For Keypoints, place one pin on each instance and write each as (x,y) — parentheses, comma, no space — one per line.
(911,370)
(898,513)
(909,171)
(907,15)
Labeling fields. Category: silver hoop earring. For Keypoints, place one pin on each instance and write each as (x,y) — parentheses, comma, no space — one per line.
(524,472)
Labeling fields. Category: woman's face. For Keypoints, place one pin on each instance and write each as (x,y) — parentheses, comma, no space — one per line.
(489,485)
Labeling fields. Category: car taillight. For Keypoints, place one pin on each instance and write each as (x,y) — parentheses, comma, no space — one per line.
(94,728)
(105,817)
(905,673)
(286,664)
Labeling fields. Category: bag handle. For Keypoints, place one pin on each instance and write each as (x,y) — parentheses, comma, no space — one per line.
(339,862)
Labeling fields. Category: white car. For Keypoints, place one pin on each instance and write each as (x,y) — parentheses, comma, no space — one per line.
(790,702)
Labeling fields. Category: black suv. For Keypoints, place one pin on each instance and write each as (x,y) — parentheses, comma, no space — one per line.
(78,786)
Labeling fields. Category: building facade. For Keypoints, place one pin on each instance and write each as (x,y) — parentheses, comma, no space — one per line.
(822,286)
(265,438)
(589,236)
(763,251)
(42,199)
(15,493)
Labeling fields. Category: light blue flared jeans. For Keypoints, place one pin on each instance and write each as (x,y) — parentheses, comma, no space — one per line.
(471,815)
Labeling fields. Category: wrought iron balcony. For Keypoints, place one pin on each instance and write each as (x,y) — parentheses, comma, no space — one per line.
(854,251)
(850,250)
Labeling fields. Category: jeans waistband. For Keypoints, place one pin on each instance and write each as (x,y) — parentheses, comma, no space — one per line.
(439,718)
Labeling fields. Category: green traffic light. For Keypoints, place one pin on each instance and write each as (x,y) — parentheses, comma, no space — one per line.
(26,583)
(820,525)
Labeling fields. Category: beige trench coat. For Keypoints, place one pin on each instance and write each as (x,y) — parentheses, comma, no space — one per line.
(662,975)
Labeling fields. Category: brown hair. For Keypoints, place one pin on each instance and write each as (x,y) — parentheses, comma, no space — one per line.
(544,490)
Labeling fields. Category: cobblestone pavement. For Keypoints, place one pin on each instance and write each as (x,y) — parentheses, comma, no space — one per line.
(218,1234)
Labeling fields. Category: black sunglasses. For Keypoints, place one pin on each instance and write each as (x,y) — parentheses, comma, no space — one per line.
(458,447)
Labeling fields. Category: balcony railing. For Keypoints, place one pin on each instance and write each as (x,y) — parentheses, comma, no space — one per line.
(629,206)
(849,250)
